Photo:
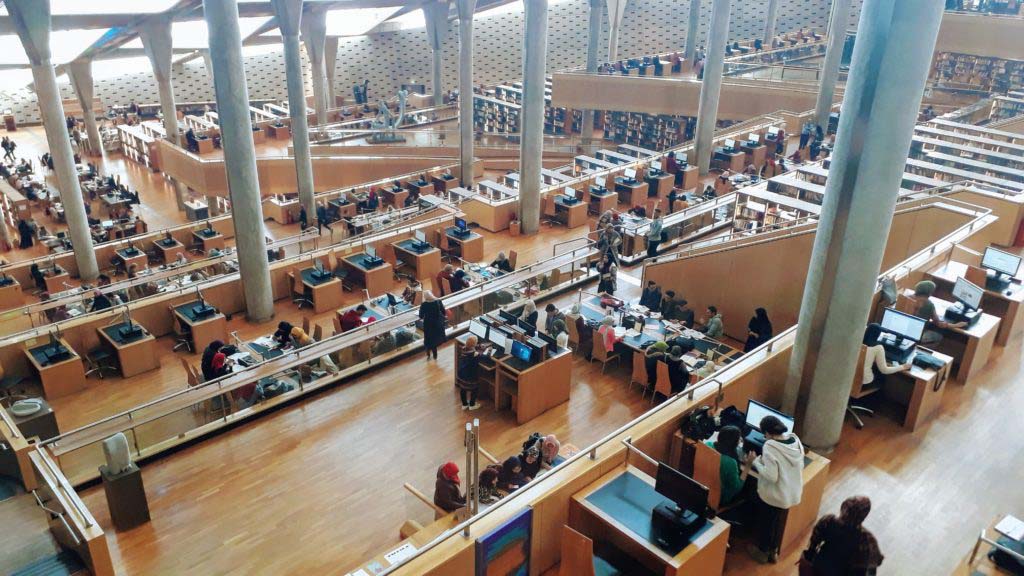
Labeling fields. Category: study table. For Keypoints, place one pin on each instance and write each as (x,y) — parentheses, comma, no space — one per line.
(630,191)
(169,251)
(324,292)
(425,262)
(572,214)
(444,183)
(204,329)
(1005,304)
(282,210)
(59,377)
(111,202)
(919,390)
(56,279)
(196,210)
(132,256)
(204,144)
(470,244)
(11,295)
(731,161)
(602,200)
(376,279)
(616,509)
(341,207)
(420,187)
(209,239)
(660,183)
(135,355)
(394,196)
(978,562)
(755,154)
(278,132)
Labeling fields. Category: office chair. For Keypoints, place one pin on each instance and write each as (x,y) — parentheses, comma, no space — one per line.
(859,390)
(99,361)
(182,333)
(300,298)
(342,274)
(550,211)
(9,383)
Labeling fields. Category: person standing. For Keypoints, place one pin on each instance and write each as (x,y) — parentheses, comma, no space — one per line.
(321,218)
(432,314)
(841,545)
(25,231)
(654,234)
(759,330)
(303,218)
(779,485)
(468,364)
(609,275)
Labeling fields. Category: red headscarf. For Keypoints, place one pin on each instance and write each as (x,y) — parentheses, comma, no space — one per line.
(450,471)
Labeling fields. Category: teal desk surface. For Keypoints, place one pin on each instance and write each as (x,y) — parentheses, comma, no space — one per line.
(630,501)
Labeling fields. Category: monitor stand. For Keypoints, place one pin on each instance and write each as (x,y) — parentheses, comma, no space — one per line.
(997,282)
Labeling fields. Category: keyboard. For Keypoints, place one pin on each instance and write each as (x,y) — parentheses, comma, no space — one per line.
(898,356)
(517,364)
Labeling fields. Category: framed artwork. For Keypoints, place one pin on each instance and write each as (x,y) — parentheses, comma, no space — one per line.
(505,551)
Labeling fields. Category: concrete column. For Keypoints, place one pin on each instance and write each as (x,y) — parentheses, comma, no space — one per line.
(616,9)
(156,40)
(833,55)
(895,41)
(593,35)
(239,156)
(690,51)
(314,35)
(331,68)
(289,15)
(466,9)
(207,63)
(711,87)
(436,15)
(31,20)
(769,22)
(80,73)
(531,118)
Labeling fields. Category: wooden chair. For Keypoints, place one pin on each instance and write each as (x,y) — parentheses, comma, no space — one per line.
(600,354)
(318,331)
(662,385)
(550,211)
(706,464)
(577,554)
(512,257)
(337,324)
(859,390)
(639,375)
(574,335)
(306,322)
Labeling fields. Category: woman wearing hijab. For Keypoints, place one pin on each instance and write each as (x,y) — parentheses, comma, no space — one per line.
(283,335)
(583,332)
(511,477)
(654,354)
(561,333)
(432,314)
(607,333)
(502,263)
(25,231)
(468,367)
(841,545)
(529,315)
(759,330)
(678,373)
(447,495)
(530,460)
(206,364)
(549,452)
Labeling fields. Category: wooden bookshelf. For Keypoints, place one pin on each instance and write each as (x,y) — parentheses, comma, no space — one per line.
(138,145)
(653,131)
(977,72)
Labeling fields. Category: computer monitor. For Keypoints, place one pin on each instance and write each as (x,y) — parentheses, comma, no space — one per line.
(371,251)
(552,344)
(1000,262)
(478,328)
(460,223)
(967,293)
(521,351)
(529,328)
(599,182)
(656,166)
(570,194)
(685,492)
(756,411)
(903,325)
(730,144)
(419,236)
(508,316)
(499,339)
(629,173)
(753,137)
(773,131)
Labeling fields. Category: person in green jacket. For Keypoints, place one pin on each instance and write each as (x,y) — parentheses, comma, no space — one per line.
(732,473)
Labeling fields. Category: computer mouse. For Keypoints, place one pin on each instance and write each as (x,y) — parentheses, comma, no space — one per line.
(1009,292)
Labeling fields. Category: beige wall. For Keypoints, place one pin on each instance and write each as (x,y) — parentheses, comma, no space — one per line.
(982,36)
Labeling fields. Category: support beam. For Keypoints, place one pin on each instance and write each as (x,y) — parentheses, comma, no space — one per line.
(711,87)
(156,41)
(331,68)
(436,15)
(289,17)
(769,22)
(207,63)
(314,35)
(31,20)
(80,74)
(616,9)
(593,35)
(239,156)
(466,10)
(895,42)
(833,55)
(531,141)
(690,52)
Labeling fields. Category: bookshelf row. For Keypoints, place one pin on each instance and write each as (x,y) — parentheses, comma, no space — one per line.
(978,72)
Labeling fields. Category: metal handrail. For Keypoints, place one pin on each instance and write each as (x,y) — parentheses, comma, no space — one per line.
(60,515)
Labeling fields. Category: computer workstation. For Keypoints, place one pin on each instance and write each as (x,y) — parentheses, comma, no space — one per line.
(419,254)
(601,199)
(729,157)
(569,208)
(754,149)
(659,181)
(369,270)
(133,345)
(11,295)
(60,369)
(466,244)
(631,191)
(202,321)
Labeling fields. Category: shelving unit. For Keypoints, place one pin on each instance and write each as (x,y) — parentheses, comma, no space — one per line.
(492,115)
(978,72)
(494,111)
(656,132)
(138,145)
(1007,106)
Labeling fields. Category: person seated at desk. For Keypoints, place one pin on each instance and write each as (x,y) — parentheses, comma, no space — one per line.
(709,190)
(370,203)
(561,333)
(412,291)
(191,141)
(383,344)
(352,318)
(488,485)
(468,367)
(446,273)
(214,363)
(529,316)
(446,488)
(502,263)
(549,452)
(37,276)
(732,473)
(583,332)
(759,330)
(841,544)
(655,353)
(796,157)
(530,460)
(607,333)
(651,296)
(669,306)
(552,314)
(713,324)
(282,336)
(678,373)
(923,307)
(511,477)
(875,366)
(100,301)
(460,280)
(638,211)
(779,486)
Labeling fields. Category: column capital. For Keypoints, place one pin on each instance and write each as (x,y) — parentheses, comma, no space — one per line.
(31,19)
(313,29)
(289,15)
(436,15)
(616,10)
(156,41)
(466,9)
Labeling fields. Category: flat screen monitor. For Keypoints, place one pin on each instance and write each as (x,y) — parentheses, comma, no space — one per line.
(903,325)
(529,328)
(756,411)
(730,144)
(507,316)
(420,236)
(521,351)
(773,131)
(569,192)
(371,251)
(629,173)
(968,293)
(599,182)
(552,345)
(656,166)
(460,223)
(755,138)
(498,338)
(1001,262)
(687,493)
(478,328)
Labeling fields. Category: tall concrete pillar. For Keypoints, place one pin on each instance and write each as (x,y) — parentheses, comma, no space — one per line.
(833,55)
(531,117)
(239,156)
(690,52)
(208,63)
(331,69)
(711,87)
(80,73)
(593,35)
(616,9)
(436,15)
(895,41)
(314,35)
(769,22)
(156,40)
(31,19)
(289,15)
(466,9)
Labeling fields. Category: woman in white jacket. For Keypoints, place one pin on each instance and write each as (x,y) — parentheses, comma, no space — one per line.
(779,485)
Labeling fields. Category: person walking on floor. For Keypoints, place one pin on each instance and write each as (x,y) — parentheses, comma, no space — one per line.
(841,545)
(432,314)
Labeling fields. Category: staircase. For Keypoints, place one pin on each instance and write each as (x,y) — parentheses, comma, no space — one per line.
(62,564)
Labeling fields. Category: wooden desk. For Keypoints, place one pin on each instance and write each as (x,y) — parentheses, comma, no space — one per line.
(42,424)
(1007,307)
(282,132)
(601,203)
(731,161)
(134,357)
(59,378)
(755,155)
(282,211)
(420,187)
(326,294)
(661,184)
(259,136)
(169,253)
(212,242)
(418,539)
(204,330)
(139,258)
(589,515)
(394,197)
(426,263)
(630,194)
(442,184)
(969,347)
(205,145)
(920,390)
(533,391)
(55,281)
(344,209)
(690,177)
(196,210)
(376,280)
(572,215)
(471,246)
(982,565)
(11,295)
